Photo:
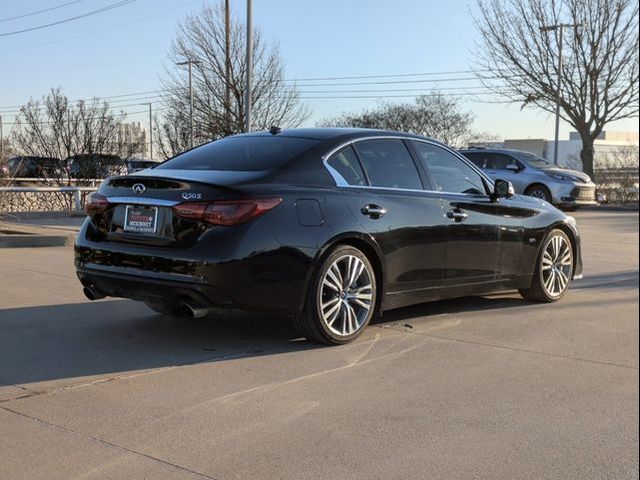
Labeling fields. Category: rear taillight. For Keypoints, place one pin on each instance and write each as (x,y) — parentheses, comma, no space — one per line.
(96,203)
(226,212)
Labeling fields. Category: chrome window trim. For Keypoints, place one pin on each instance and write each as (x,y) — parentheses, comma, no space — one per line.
(143,201)
(341,182)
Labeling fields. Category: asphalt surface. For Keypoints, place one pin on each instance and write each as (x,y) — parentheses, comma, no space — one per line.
(490,387)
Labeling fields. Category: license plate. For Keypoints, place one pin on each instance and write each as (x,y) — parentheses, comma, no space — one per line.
(140,219)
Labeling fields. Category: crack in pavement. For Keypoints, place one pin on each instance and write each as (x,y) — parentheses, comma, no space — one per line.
(109,444)
(507,347)
(124,376)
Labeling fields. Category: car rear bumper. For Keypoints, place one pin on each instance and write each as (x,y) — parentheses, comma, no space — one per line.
(218,271)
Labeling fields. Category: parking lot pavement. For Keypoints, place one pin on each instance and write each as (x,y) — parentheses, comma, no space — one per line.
(489,387)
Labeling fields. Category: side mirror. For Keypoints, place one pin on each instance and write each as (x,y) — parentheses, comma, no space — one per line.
(502,189)
(513,167)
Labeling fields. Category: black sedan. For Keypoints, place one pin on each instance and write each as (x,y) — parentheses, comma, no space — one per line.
(333,226)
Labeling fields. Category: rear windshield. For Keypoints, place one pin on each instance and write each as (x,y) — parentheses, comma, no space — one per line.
(241,154)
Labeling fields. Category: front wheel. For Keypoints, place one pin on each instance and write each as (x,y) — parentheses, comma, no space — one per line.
(539,191)
(554,269)
(341,299)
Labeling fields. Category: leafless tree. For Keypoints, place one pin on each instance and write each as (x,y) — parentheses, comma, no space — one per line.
(201,38)
(600,67)
(434,115)
(53,127)
(618,175)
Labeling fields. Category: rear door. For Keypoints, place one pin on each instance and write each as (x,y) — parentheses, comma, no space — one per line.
(385,192)
(484,238)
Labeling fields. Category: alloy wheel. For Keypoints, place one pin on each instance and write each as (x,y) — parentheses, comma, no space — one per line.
(346,295)
(556,266)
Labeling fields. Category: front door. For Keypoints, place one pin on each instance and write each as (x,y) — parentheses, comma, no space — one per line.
(484,239)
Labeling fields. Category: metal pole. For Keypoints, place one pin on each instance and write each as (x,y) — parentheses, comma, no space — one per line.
(227,67)
(150,133)
(190,106)
(558,96)
(189,63)
(247,100)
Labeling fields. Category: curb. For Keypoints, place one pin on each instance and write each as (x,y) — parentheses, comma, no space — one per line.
(30,240)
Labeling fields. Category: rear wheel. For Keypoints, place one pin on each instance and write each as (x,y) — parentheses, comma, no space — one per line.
(341,299)
(539,191)
(554,269)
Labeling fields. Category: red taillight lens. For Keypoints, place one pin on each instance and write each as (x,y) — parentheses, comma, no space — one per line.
(226,212)
(190,210)
(96,203)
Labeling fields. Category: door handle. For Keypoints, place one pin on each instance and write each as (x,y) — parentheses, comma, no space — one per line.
(457,215)
(373,211)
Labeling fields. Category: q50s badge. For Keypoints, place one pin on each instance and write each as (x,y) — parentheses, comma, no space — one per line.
(192,196)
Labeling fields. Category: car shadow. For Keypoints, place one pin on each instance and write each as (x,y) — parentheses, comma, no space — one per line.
(109,337)
(113,336)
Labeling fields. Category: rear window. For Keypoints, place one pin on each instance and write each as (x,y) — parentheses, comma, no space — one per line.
(241,154)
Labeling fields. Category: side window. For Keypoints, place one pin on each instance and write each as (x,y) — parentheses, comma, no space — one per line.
(477,159)
(346,164)
(499,161)
(449,172)
(388,164)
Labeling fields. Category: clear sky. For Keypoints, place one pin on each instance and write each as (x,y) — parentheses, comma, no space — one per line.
(123,51)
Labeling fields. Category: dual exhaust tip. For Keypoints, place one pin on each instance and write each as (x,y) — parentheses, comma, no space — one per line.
(188,309)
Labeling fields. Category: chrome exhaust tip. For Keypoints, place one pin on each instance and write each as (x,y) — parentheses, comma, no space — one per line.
(92,294)
(193,311)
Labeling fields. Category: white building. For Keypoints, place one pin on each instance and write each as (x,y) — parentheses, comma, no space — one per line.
(135,136)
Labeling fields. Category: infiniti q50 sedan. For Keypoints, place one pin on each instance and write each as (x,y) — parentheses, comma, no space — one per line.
(331,226)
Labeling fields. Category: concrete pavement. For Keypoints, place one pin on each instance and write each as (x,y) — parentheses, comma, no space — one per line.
(489,387)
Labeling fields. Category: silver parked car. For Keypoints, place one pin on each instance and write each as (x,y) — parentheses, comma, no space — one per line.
(532,175)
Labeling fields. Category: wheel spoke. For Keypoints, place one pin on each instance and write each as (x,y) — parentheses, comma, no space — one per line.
(334,274)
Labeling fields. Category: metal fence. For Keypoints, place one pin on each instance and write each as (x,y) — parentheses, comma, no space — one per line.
(25,199)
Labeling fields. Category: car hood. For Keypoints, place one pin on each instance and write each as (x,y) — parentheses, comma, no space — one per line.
(575,174)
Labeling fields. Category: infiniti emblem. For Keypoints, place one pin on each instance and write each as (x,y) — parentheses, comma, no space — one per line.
(138,188)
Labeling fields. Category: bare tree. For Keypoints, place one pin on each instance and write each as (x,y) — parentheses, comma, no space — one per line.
(53,127)
(600,68)
(617,177)
(201,37)
(435,115)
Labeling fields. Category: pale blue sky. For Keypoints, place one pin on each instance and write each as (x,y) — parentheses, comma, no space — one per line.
(99,56)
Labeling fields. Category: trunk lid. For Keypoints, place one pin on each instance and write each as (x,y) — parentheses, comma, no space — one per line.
(141,205)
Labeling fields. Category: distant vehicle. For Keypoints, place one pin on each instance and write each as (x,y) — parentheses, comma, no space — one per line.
(534,176)
(33,167)
(95,165)
(136,164)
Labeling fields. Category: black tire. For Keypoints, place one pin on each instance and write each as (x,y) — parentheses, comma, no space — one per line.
(537,291)
(167,309)
(539,191)
(310,322)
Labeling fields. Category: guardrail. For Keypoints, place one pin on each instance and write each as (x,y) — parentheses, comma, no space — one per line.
(75,191)
(61,181)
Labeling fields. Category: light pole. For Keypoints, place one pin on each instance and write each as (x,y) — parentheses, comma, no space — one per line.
(190,62)
(552,28)
(247,99)
(150,130)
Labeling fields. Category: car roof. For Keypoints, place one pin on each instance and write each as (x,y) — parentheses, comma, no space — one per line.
(492,150)
(323,133)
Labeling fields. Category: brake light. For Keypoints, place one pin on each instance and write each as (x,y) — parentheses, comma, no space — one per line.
(96,203)
(226,212)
